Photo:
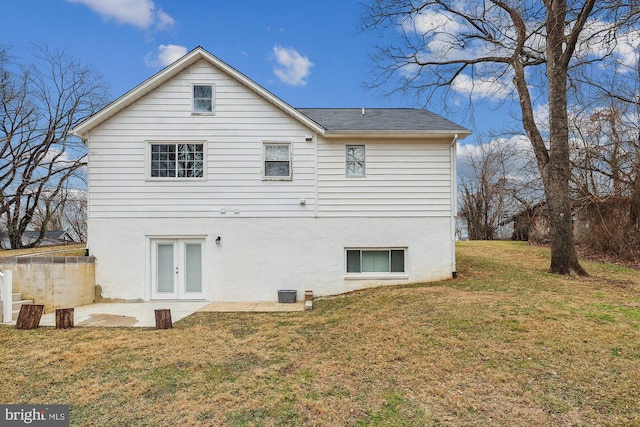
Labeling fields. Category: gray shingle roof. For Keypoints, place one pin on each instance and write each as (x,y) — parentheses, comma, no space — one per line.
(380,119)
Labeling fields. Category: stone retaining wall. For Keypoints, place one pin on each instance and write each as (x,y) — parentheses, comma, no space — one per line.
(56,282)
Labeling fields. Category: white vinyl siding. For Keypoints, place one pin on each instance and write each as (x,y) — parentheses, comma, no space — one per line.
(233,163)
(404,178)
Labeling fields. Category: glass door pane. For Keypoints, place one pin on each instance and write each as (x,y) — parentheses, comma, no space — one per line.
(165,268)
(193,267)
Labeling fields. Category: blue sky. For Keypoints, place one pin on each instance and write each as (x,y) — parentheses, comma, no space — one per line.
(308,53)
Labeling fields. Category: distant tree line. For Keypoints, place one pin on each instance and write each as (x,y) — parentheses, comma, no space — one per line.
(496,186)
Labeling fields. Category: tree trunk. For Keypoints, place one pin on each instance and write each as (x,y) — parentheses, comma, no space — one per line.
(557,172)
(64,318)
(29,317)
(163,319)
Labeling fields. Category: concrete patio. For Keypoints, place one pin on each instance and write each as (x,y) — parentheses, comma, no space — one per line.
(142,314)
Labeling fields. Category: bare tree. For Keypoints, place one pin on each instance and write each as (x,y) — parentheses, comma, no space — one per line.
(75,215)
(39,105)
(604,151)
(605,162)
(67,210)
(617,110)
(523,45)
(495,181)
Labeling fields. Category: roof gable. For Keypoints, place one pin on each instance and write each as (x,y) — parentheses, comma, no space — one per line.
(173,70)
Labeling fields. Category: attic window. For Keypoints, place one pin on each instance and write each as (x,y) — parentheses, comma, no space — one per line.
(202,99)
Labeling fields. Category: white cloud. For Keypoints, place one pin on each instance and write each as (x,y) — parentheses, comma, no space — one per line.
(139,13)
(513,144)
(516,153)
(165,55)
(164,20)
(491,88)
(431,21)
(292,68)
(541,116)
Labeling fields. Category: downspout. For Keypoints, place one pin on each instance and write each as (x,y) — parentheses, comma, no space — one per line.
(454,204)
(90,155)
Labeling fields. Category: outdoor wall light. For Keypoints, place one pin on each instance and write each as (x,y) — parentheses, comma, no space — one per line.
(218,240)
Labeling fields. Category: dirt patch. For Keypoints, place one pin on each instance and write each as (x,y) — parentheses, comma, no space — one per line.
(100,319)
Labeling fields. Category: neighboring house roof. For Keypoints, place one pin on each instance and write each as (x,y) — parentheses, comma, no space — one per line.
(328,122)
(50,237)
(32,234)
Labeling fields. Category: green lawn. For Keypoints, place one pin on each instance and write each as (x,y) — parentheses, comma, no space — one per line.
(504,344)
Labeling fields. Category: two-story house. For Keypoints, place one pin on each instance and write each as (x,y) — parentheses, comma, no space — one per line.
(204,185)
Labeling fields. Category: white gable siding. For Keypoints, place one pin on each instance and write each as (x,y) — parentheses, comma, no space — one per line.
(403,179)
(233,137)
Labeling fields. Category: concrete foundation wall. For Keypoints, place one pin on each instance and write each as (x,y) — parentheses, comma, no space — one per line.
(56,282)
(256,257)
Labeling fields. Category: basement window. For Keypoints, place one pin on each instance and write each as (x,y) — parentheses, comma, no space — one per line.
(375,260)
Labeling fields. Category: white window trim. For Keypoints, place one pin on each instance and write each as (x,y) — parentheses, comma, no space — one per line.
(346,161)
(373,275)
(213,100)
(148,176)
(264,160)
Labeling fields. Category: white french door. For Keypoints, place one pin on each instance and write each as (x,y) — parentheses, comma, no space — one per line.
(176,269)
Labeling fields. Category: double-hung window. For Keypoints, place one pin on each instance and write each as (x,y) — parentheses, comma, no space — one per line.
(203,96)
(355,160)
(177,160)
(277,161)
(375,260)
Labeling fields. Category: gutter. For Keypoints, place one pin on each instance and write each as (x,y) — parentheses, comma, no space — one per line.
(329,134)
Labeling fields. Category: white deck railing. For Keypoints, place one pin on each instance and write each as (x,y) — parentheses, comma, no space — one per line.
(6,291)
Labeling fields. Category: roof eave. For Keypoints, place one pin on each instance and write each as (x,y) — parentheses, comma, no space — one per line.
(335,134)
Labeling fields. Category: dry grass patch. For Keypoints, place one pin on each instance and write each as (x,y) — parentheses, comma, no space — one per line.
(504,344)
(63,250)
